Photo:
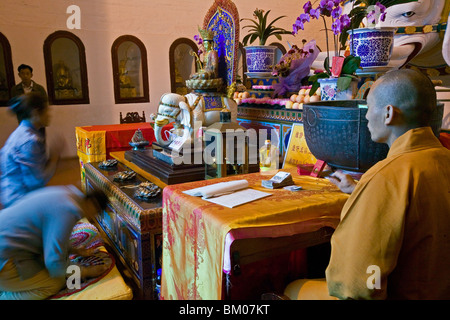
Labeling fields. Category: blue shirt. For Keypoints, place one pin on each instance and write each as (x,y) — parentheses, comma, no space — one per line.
(22,163)
(35,230)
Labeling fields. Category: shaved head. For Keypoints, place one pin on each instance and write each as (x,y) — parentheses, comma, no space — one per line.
(408,90)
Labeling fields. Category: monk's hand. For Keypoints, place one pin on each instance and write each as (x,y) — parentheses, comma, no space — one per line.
(343,181)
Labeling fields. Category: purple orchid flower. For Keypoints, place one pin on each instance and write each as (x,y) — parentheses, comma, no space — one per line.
(297,25)
(326,6)
(314,13)
(378,12)
(345,21)
(382,11)
(371,17)
(198,39)
(382,7)
(307,7)
(336,12)
(336,26)
(304,17)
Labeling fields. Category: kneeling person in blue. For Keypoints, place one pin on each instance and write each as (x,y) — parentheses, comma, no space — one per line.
(34,240)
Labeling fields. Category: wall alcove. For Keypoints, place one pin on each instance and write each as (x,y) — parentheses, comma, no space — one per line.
(182,64)
(130,70)
(65,69)
(6,71)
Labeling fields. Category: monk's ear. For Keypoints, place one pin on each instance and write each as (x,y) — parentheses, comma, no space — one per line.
(390,114)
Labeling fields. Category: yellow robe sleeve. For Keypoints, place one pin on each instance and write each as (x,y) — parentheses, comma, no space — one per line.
(366,244)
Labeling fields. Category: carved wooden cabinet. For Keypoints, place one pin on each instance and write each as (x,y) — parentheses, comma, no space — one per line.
(133,227)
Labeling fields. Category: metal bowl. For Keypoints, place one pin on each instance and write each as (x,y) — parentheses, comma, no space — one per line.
(139,145)
(336,132)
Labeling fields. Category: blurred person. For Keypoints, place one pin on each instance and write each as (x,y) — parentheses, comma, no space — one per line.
(24,164)
(34,241)
(393,238)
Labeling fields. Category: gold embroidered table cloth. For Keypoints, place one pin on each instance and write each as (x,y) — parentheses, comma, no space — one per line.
(195,231)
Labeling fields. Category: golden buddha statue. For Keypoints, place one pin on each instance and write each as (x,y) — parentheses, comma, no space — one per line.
(64,88)
(127,89)
(210,66)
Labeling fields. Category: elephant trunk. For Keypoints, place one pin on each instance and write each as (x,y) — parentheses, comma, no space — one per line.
(158,135)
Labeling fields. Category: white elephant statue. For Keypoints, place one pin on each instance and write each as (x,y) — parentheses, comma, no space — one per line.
(190,112)
(425,49)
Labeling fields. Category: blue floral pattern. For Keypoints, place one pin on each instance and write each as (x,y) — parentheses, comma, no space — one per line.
(224,38)
(260,59)
(373,47)
(329,90)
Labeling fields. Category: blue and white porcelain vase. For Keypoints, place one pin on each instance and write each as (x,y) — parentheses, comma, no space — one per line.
(260,59)
(330,91)
(373,45)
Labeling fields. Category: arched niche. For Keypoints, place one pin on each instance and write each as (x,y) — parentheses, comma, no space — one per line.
(182,64)
(130,70)
(6,71)
(65,69)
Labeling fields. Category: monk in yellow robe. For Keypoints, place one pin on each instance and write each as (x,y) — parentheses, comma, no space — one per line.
(393,240)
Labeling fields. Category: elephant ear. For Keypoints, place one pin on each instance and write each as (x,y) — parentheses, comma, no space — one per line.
(186,115)
(446,45)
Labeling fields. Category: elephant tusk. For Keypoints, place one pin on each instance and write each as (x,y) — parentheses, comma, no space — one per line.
(161,123)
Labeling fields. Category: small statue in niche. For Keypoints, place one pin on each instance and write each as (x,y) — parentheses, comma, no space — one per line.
(210,66)
(64,87)
(127,89)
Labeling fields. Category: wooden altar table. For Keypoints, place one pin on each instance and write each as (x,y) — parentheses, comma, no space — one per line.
(199,236)
(94,143)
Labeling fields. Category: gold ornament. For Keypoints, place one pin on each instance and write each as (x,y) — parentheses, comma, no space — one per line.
(427,29)
(207,35)
(410,30)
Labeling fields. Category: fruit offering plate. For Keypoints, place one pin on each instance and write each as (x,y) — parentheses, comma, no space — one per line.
(264,102)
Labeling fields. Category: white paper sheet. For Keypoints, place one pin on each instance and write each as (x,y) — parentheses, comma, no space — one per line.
(217,189)
(239,197)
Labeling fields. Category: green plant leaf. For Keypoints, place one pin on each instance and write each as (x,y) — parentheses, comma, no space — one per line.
(326,65)
(245,39)
(275,20)
(314,79)
(314,88)
(343,83)
(261,30)
(351,64)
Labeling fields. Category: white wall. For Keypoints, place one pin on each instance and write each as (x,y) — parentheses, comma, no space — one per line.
(157,23)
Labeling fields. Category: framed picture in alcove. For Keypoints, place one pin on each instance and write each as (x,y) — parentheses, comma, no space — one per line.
(6,71)
(65,68)
(130,71)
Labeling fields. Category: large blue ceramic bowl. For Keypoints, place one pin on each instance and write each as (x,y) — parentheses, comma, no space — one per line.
(336,132)
(260,59)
